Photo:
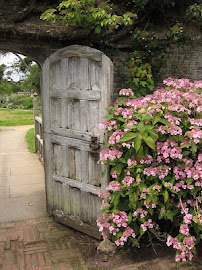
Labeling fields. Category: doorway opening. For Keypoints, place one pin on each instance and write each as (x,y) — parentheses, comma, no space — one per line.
(22,184)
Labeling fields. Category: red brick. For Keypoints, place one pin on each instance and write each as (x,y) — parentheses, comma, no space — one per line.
(28,262)
(25,236)
(43,268)
(21,263)
(8,243)
(47,258)
(41,259)
(63,266)
(31,236)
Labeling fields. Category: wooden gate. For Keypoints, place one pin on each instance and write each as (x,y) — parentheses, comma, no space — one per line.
(77,86)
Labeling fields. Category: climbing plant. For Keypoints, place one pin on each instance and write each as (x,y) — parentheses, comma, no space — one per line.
(154,25)
(87,15)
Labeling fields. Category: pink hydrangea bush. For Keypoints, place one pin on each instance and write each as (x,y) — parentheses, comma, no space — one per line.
(154,152)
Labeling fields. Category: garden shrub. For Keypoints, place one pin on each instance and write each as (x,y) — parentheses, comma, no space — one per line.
(154,154)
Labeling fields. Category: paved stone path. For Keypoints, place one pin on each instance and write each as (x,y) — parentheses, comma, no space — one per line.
(34,241)
(22,187)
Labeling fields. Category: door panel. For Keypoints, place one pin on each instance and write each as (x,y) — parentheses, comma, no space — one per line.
(77,86)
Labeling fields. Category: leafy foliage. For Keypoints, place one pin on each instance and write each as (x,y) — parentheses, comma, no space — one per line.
(32,81)
(87,15)
(157,24)
(155,155)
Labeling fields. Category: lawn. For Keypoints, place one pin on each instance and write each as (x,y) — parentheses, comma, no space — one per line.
(9,117)
(30,140)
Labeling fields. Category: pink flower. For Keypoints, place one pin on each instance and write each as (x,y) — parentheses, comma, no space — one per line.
(184,229)
(114,186)
(126,92)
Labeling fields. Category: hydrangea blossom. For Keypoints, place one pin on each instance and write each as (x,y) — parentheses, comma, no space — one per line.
(154,151)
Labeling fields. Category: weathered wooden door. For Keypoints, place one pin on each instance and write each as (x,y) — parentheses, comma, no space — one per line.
(77,86)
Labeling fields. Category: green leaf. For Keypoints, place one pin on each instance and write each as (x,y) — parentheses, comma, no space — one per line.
(193,147)
(150,142)
(121,100)
(149,127)
(141,231)
(169,215)
(115,198)
(134,241)
(185,153)
(109,117)
(166,196)
(117,168)
(184,145)
(147,117)
(130,217)
(121,119)
(153,134)
(133,199)
(163,121)
(140,154)
(98,30)
(141,127)
(128,136)
(137,143)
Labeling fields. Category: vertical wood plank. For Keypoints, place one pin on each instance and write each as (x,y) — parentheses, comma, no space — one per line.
(67,73)
(71,161)
(64,113)
(84,166)
(83,115)
(78,165)
(66,201)
(85,207)
(73,68)
(70,111)
(83,74)
(75,195)
(65,165)
(93,116)
(64,68)
(94,170)
(95,75)
(77,120)
(58,78)
(58,112)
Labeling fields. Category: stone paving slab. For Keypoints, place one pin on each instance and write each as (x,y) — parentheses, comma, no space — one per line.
(22,208)
(37,178)
(22,184)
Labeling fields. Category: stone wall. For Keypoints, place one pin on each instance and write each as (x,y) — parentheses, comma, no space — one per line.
(180,64)
(120,61)
(183,64)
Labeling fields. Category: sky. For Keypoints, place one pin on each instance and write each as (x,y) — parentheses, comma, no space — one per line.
(8,60)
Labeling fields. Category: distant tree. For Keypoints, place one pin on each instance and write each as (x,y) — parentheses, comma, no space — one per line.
(32,80)
(2,69)
(30,76)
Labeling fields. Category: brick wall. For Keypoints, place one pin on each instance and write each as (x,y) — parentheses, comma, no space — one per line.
(183,64)
(180,64)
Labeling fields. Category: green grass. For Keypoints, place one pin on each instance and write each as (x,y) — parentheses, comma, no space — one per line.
(9,117)
(30,140)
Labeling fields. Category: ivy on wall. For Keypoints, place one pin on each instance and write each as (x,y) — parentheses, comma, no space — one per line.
(155,25)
